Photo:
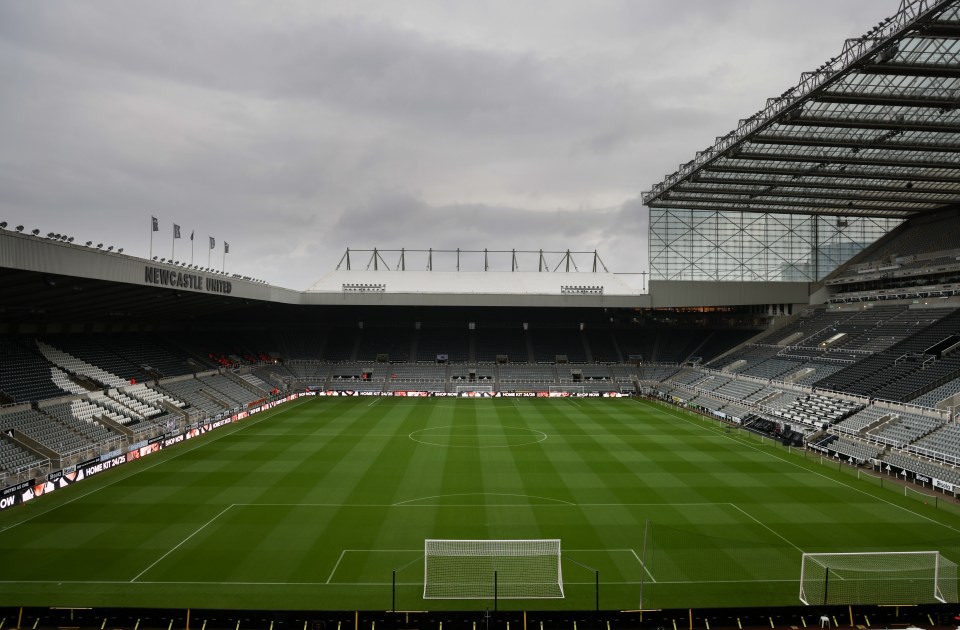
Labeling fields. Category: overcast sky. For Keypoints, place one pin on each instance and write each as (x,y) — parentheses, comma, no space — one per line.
(294,130)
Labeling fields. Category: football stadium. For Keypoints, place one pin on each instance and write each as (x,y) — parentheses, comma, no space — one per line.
(764,435)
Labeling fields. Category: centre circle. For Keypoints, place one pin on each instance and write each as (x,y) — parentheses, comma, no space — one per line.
(477,436)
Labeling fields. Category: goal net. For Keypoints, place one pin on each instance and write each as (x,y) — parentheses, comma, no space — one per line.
(485,569)
(896,577)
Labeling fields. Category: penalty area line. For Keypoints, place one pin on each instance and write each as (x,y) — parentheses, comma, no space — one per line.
(334,570)
(180,544)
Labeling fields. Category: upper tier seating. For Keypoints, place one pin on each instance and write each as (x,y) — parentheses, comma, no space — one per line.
(74,365)
(24,374)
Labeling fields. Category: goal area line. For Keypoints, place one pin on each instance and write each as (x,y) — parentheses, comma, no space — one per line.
(413,558)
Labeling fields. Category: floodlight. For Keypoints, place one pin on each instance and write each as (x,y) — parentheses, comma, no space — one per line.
(70,239)
(49,234)
(3,225)
(154,257)
(36,232)
(99,245)
(110,249)
(19,228)
(89,243)
(120,251)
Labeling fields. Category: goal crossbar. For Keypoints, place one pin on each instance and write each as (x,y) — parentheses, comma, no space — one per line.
(487,569)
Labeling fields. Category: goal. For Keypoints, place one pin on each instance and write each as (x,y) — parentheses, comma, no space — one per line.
(895,577)
(481,390)
(561,390)
(492,569)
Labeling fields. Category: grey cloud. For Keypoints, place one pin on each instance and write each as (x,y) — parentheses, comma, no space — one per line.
(295,130)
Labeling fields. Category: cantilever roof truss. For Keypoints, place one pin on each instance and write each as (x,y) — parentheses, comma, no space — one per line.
(874,131)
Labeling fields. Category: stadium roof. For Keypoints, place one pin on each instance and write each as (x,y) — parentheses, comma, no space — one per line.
(874,131)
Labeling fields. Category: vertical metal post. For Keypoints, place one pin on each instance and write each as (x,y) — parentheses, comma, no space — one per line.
(643,560)
(393,598)
(494,591)
(597,576)
(826,585)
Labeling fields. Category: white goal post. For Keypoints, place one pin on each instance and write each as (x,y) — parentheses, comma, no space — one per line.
(492,569)
(883,577)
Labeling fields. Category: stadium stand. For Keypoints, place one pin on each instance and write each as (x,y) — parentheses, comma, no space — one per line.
(389,344)
(603,346)
(847,447)
(94,354)
(923,466)
(64,430)
(454,343)
(25,375)
(492,344)
(14,459)
(79,367)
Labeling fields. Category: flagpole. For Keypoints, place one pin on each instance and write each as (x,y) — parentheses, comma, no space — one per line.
(191,248)
(224,266)
(173,244)
(152,220)
(209,249)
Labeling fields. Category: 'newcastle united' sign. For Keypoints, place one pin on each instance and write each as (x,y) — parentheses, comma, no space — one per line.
(183,280)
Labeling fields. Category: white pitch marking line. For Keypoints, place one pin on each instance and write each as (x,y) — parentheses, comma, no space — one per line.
(196,531)
(473,494)
(765,526)
(646,570)
(411,503)
(334,570)
(315,584)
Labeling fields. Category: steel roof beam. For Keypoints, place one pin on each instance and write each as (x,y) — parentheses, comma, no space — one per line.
(887,99)
(905,177)
(893,144)
(676,197)
(856,183)
(760,209)
(867,123)
(937,30)
(902,196)
(910,70)
(843,159)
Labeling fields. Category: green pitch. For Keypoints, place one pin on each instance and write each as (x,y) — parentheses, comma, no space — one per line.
(316,504)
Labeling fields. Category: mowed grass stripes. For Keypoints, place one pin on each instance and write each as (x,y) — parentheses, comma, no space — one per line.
(319,503)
